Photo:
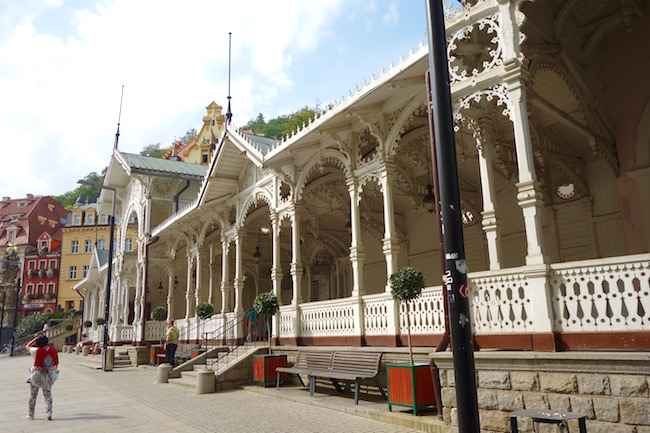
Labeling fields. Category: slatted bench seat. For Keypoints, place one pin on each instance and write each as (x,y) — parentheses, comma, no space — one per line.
(352,367)
(306,362)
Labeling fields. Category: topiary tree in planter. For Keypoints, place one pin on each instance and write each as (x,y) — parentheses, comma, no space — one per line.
(204,310)
(406,286)
(87,323)
(266,303)
(159,314)
(99,321)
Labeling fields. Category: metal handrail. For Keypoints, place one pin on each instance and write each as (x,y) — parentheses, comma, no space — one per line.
(212,337)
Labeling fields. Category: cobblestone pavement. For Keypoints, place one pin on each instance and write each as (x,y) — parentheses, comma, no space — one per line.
(129,399)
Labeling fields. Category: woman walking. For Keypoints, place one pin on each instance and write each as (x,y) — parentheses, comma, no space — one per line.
(42,373)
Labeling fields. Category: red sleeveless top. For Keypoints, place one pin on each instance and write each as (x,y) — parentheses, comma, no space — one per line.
(46,357)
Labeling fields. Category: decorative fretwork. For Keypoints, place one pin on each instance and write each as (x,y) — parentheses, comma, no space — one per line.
(501,304)
(327,318)
(375,312)
(475,48)
(426,314)
(604,295)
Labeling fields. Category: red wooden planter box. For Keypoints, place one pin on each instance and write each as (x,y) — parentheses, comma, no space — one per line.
(410,386)
(153,352)
(264,369)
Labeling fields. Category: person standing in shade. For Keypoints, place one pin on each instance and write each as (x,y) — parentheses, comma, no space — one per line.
(42,373)
(171,343)
(252,318)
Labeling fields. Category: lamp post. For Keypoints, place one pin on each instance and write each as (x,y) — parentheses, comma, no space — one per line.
(110,270)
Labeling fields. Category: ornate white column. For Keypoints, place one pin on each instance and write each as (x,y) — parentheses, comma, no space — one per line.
(137,299)
(296,263)
(239,274)
(210,275)
(276,269)
(170,292)
(225,276)
(197,281)
(489,221)
(356,248)
(188,288)
(529,195)
(391,240)
(127,296)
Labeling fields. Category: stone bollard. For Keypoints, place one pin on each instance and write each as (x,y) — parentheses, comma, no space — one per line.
(205,383)
(77,350)
(85,350)
(163,372)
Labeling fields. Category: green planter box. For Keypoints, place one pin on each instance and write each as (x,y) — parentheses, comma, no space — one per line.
(264,369)
(410,386)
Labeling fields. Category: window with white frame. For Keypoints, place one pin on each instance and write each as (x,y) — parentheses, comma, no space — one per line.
(101,244)
(86,269)
(90,219)
(77,220)
(73,273)
(50,288)
(31,264)
(128,245)
(103,219)
(29,290)
(40,289)
(74,249)
(88,246)
(52,264)
(11,236)
(42,264)
(43,243)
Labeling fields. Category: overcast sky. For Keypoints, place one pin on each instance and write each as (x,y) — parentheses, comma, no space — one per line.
(63,64)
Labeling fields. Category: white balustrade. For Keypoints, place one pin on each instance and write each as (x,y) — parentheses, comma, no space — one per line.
(602,295)
(327,318)
(287,317)
(124,333)
(375,313)
(426,314)
(500,302)
(155,330)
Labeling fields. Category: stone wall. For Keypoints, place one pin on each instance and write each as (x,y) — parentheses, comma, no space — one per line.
(610,388)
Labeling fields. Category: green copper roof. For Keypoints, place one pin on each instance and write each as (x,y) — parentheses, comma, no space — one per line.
(162,167)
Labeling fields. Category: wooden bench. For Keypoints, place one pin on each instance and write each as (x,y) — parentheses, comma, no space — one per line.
(350,366)
(306,362)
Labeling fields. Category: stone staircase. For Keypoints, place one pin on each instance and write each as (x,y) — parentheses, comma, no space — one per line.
(122,359)
(233,369)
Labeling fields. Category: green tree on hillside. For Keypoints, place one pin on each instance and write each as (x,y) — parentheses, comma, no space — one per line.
(87,192)
(153,150)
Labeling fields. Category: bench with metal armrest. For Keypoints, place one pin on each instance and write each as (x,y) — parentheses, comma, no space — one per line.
(306,362)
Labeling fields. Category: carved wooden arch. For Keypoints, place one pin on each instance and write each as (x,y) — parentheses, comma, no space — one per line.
(393,137)
(320,245)
(642,151)
(259,193)
(135,208)
(207,225)
(335,157)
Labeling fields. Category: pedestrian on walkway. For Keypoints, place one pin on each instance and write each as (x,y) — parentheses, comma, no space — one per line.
(42,372)
(251,317)
(171,342)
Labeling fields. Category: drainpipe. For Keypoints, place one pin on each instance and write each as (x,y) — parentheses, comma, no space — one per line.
(187,185)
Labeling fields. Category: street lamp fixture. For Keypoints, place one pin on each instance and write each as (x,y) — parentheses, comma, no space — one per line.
(105,365)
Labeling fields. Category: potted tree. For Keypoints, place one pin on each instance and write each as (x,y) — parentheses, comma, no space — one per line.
(159,314)
(409,384)
(264,365)
(99,321)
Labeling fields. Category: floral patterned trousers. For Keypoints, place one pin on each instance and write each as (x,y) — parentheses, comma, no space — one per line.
(41,379)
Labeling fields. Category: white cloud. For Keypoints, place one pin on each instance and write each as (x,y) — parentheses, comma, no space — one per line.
(61,88)
(391,16)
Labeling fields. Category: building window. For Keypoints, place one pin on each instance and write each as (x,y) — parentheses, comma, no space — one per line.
(50,288)
(90,219)
(103,219)
(101,244)
(52,264)
(204,156)
(88,246)
(40,289)
(128,245)
(32,264)
(75,247)
(11,236)
(43,243)
(73,273)
(77,220)
(86,268)
(70,305)
(29,290)
(42,264)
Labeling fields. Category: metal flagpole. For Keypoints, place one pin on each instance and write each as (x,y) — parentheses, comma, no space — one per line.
(456,269)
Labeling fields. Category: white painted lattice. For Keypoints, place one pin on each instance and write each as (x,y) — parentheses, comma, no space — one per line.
(125,333)
(426,314)
(327,318)
(287,321)
(501,304)
(375,313)
(155,330)
(602,295)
